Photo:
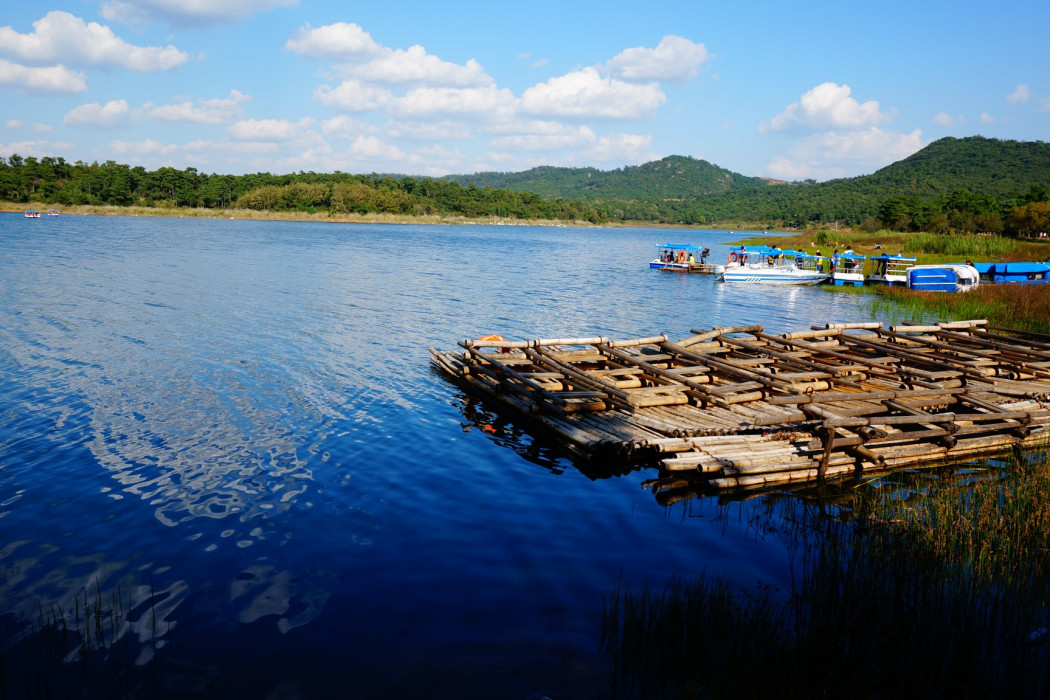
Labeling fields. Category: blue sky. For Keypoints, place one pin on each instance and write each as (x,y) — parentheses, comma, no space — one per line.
(785,90)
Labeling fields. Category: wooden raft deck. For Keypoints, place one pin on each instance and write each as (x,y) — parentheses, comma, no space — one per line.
(737,407)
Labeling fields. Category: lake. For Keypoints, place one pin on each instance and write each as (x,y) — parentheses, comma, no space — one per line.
(227,467)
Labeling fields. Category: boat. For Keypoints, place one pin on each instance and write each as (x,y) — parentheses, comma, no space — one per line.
(32,214)
(52,212)
(943,278)
(847,269)
(681,257)
(1014,272)
(813,263)
(765,265)
(890,269)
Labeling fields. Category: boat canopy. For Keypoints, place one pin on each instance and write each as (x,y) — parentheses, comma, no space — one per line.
(678,246)
(766,250)
(891,258)
(854,256)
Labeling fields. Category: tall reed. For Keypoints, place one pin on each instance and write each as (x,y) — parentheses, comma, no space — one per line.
(941,594)
(1021,306)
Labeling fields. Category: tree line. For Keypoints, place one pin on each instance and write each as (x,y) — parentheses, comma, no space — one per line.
(865,202)
(54,181)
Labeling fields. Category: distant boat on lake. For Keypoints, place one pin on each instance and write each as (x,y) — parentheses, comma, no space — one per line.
(32,214)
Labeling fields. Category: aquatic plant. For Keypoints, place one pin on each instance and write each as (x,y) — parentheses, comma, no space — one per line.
(1021,306)
(942,593)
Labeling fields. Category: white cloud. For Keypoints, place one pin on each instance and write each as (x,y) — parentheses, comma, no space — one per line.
(343,127)
(187,12)
(232,147)
(1044,105)
(585,93)
(96,116)
(214,111)
(564,137)
(1021,94)
(14,124)
(826,156)
(675,60)
(37,149)
(372,148)
(987,118)
(269,129)
(944,119)
(149,147)
(430,130)
(49,80)
(483,102)
(64,38)
(42,128)
(353,96)
(828,106)
(618,148)
(342,41)
(415,65)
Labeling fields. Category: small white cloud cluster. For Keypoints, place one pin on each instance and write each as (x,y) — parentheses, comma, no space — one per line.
(833,130)
(427,98)
(39,61)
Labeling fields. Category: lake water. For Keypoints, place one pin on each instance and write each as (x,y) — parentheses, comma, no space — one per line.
(225,441)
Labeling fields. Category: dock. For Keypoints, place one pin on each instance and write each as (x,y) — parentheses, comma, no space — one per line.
(736,408)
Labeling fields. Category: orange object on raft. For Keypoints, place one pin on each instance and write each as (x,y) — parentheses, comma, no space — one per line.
(495,338)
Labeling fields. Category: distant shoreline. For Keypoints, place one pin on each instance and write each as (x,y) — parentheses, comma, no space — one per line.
(325,217)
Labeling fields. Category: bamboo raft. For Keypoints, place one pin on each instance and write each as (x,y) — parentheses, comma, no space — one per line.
(738,408)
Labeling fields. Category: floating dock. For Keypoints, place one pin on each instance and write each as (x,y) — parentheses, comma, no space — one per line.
(737,408)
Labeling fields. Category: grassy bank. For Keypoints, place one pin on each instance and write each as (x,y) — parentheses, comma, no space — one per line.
(1021,306)
(317,216)
(937,592)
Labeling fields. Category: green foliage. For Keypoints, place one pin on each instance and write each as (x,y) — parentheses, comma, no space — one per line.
(962,246)
(952,185)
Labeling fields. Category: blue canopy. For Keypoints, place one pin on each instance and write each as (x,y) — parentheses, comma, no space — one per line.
(678,246)
(854,256)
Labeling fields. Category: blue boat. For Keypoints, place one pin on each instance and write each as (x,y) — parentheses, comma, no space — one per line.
(943,278)
(847,269)
(1014,272)
(680,257)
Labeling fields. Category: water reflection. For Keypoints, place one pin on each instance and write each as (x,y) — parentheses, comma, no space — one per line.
(234,427)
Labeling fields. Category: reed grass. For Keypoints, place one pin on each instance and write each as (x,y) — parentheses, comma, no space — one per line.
(1022,306)
(942,593)
(85,651)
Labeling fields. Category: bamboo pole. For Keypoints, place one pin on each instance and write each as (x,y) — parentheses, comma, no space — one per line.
(701,336)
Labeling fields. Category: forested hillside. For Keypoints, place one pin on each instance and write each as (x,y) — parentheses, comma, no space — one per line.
(969,184)
(968,178)
(674,177)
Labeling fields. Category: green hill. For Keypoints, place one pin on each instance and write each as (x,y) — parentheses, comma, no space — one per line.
(999,173)
(674,177)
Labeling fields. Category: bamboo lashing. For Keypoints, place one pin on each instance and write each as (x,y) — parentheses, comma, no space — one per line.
(736,407)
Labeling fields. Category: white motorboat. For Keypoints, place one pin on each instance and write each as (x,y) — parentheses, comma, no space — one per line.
(766,265)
